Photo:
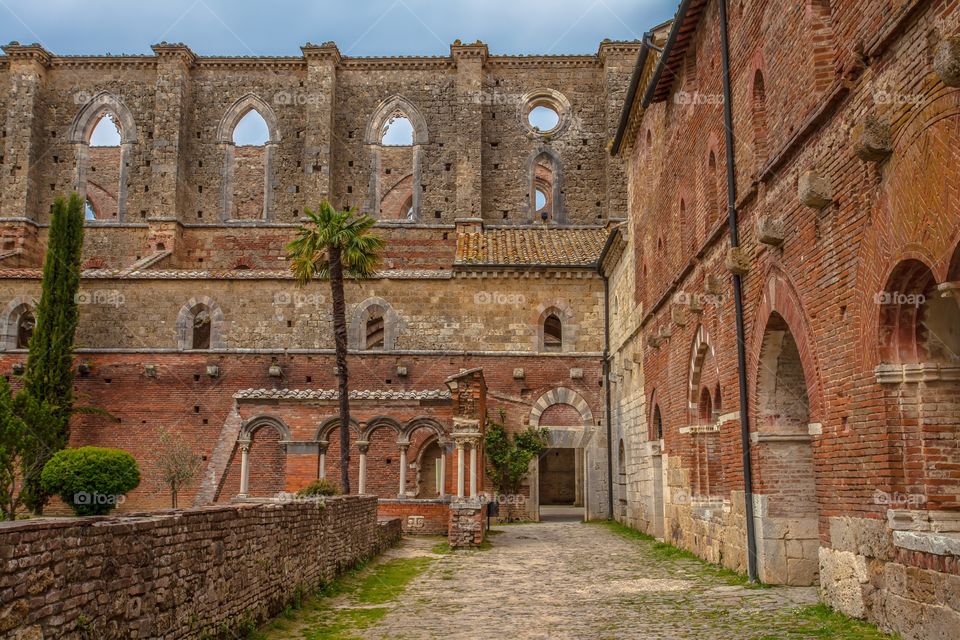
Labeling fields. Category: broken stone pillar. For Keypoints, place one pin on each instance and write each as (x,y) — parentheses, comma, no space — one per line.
(946,62)
(872,139)
(321,87)
(27,68)
(172,95)
(470,60)
(814,190)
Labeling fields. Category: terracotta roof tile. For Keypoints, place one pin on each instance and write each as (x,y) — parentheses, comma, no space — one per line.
(531,246)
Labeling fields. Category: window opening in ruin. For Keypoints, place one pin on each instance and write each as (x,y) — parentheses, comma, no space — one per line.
(104,169)
(251,130)
(25,325)
(541,199)
(106,133)
(543,118)
(375,329)
(397,132)
(552,333)
(201,329)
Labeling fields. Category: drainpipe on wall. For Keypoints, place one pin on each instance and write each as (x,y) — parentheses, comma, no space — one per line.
(606,384)
(738,299)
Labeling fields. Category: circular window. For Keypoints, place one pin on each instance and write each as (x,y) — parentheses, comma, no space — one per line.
(541,199)
(544,113)
(543,118)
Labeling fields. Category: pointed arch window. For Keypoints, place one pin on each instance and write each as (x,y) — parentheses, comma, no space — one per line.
(249,136)
(103,134)
(395,136)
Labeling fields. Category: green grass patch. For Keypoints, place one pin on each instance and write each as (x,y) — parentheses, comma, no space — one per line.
(669,553)
(363,588)
(820,621)
(388,580)
(441,548)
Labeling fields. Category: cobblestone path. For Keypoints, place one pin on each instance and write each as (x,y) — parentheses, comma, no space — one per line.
(571,580)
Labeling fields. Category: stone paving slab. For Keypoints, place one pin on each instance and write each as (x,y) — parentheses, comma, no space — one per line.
(574,580)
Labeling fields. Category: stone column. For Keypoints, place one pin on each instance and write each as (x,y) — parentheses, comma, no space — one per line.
(442,487)
(362,483)
(244,468)
(322,472)
(460,469)
(317,102)
(403,470)
(23,145)
(473,469)
(172,103)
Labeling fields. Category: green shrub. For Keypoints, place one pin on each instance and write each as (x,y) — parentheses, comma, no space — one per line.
(92,480)
(321,487)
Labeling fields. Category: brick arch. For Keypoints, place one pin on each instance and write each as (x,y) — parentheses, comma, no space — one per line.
(10,320)
(899,315)
(424,422)
(561,395)
(240,108)
(265,439)
(330,424)
(656,414)
(184,325)
(919,170)
(779,297)
(258,422)
(357,332)
(701,352)
(381,422)
(568,325)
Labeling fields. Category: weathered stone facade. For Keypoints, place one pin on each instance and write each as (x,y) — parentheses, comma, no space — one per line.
(199,573)
(190,319)
(845,136)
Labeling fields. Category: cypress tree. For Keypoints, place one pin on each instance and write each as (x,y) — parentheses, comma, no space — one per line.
(46,401)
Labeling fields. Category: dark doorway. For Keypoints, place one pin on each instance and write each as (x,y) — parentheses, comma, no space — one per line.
(558,477)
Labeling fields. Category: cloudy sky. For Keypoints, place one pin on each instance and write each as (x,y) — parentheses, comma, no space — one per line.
(359,27)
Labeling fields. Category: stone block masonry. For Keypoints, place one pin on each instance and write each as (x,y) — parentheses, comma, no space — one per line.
(198,573)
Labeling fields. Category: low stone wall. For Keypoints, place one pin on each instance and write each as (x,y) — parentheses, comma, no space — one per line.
(418,517)
(200,573)
(870,572)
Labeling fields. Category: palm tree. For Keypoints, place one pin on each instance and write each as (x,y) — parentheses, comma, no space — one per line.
(330,244)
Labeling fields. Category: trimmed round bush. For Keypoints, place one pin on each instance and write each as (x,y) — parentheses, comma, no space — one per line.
(321,487)
(92,480)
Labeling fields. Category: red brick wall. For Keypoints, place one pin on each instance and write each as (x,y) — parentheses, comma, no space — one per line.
(185,400)
(825,279)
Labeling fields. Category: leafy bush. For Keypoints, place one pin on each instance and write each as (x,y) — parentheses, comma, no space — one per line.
(321,487)
(92,480)
(509,457)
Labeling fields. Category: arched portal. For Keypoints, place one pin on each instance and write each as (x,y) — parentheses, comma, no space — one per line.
(785,481)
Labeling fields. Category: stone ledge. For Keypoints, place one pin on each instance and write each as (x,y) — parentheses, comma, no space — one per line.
(922,372)
(941,544)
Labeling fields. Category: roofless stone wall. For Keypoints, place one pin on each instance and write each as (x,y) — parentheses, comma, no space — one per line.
(188,574)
